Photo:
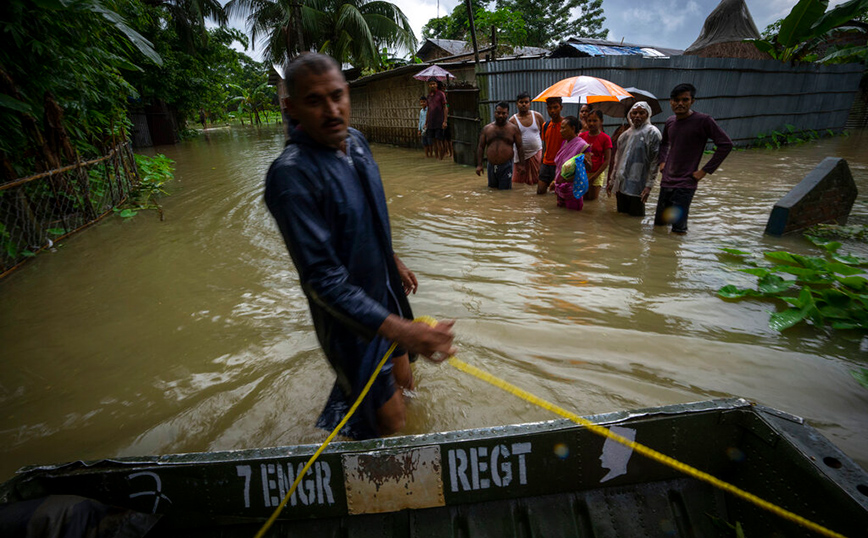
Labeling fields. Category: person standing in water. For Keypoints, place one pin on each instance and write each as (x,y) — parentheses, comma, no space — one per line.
(600,153)
(530,123)
(326,196)
(584,110)
(573,145)
(634,167)
(436,120)
(551,136)
(684,137)
(423,130)
(496,142)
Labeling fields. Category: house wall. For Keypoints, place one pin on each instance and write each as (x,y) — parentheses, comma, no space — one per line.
(386,108)
(746,97)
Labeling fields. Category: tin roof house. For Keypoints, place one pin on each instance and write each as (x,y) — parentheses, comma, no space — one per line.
(454,50)
(583,47)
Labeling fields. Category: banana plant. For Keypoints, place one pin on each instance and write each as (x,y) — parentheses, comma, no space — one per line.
(807,26)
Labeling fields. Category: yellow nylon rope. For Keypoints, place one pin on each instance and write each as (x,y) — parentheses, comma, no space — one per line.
(328,440)
(600,430)
(642,449)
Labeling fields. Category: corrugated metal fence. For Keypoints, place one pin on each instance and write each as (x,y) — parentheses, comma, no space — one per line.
(746,97)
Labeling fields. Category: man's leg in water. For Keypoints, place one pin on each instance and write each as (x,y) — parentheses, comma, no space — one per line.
(392,416)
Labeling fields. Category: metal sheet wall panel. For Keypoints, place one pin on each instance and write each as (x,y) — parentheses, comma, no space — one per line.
(748,97)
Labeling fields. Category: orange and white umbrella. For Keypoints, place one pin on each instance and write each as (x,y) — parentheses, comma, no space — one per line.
(584,89)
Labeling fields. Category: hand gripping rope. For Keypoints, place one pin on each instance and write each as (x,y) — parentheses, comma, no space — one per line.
(599,430)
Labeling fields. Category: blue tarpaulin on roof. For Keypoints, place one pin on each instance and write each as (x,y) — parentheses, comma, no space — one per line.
(603,50)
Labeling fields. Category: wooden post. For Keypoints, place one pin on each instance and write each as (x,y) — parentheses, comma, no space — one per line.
(472,31)
(493,43)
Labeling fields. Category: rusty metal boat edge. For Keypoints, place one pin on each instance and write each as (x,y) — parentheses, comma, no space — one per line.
(550,478)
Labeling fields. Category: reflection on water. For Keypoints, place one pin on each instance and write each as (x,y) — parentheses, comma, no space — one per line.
(146,337)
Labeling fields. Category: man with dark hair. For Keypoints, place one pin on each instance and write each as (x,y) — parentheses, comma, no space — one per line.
(327,198)
(496,141)
(551,137)
(684,137)
(529,123)
(436,117)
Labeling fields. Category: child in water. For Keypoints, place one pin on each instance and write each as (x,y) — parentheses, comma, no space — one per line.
(600,153)
(423,115)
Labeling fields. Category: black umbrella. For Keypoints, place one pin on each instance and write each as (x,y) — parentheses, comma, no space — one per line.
(619,109)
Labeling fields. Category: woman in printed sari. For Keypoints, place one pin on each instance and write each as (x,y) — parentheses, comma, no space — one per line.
(573,145)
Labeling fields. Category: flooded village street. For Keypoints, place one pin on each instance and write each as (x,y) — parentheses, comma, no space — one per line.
(144,337)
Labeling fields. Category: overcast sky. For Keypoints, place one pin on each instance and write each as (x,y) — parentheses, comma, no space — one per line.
(665,23)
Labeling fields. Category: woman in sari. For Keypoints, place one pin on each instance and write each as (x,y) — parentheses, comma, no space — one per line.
(572,145)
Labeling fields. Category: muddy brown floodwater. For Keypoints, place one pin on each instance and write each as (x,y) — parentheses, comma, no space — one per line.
(145,337)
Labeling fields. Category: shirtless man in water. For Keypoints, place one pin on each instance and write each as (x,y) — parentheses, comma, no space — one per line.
(499,137)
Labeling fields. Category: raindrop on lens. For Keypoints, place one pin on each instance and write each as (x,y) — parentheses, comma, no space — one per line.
(671,214)
(561,450)
(735,454)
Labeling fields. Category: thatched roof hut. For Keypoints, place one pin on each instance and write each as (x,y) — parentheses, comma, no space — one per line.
(724,32)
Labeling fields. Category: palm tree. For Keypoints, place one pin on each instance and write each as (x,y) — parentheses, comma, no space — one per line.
(250,100)
(188,17)
(351,31)
(355,31)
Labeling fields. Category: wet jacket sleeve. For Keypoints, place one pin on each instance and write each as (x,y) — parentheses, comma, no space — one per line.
(296,200)
(653,155)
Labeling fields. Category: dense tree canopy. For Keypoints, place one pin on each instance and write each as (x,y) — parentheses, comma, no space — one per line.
(510,26)
(523,22)
(84,63)
(352,31)
(556,20)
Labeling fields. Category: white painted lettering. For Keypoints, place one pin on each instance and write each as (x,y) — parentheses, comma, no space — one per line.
(505,467)
(460,470)
(324,473)
(487,468)
(520,449)
(247,473)
(277,480)
(484,483)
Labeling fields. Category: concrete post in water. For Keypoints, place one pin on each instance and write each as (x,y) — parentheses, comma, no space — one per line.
(826,195)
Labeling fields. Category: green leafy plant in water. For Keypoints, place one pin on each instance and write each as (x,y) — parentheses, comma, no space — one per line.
(861,375)
(154,172)
(855,232)
(787,135)
(830,290)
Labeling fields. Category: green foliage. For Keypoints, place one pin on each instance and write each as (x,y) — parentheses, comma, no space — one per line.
(352,31)
(856,232)
(551,22)
(830,290)
(522,22)
(197,80)
(861,375)
(79,51)
(808,26)
(509,25)
(154,172)
(787,135)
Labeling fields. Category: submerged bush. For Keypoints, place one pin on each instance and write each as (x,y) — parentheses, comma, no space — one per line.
(823,291)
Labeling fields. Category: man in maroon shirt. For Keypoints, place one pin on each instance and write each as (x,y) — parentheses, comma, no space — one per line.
(684,139)
(436,119)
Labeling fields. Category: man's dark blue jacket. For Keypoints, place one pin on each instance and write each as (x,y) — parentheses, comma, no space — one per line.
(335,223)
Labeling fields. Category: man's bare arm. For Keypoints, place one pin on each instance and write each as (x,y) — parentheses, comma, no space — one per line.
(480,149)
(516,136)
(434,343)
